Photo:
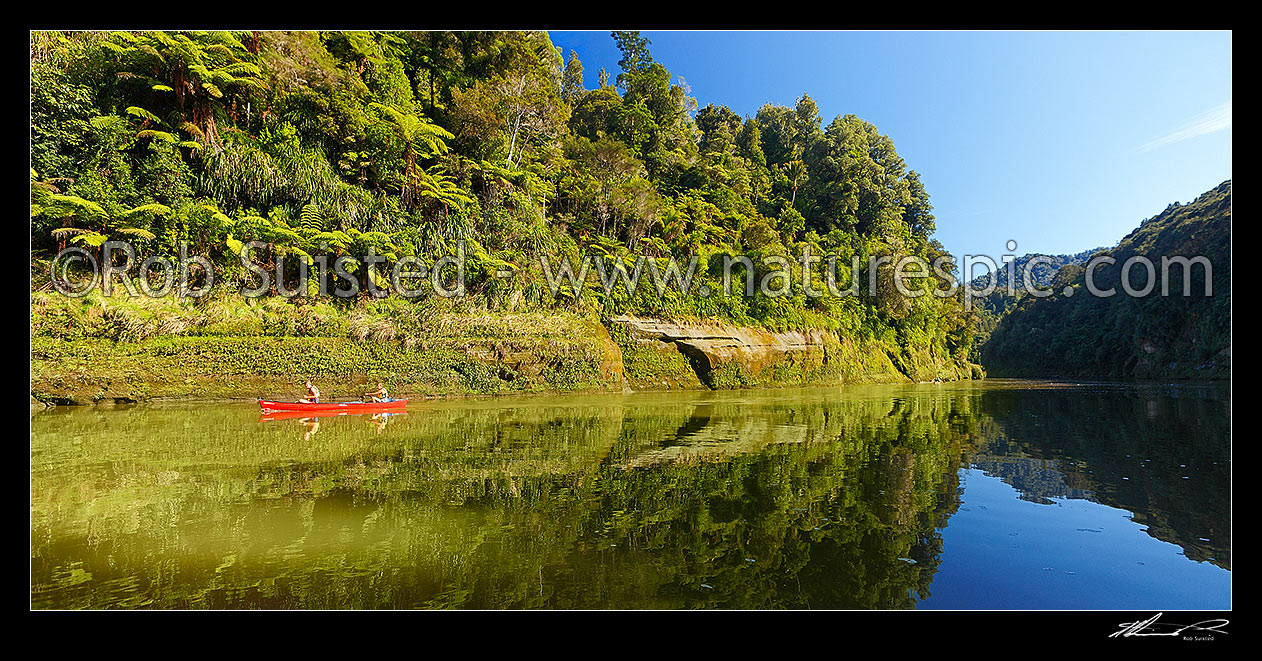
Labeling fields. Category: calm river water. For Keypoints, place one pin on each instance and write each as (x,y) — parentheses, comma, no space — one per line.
(990,495)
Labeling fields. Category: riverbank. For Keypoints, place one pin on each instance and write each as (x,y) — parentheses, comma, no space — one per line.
(96,351)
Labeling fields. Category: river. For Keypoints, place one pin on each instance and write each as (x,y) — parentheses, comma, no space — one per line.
(999,494)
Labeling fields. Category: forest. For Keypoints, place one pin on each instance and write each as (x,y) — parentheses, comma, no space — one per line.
(412,144)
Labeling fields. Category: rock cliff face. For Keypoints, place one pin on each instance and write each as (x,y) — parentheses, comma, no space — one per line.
(719,355)
(715,343)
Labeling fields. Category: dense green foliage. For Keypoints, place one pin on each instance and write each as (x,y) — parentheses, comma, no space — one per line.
(1153,335)
(334,143)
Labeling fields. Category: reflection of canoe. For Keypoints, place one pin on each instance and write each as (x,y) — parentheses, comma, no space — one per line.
(343,407)
(269,416)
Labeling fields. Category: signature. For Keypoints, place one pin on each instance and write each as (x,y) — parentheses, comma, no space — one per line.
(1150,627)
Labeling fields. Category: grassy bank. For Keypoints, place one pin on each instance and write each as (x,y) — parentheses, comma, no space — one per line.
(98,350)
(95,350)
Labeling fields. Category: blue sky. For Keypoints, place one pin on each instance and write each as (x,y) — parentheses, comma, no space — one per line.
(1061,141)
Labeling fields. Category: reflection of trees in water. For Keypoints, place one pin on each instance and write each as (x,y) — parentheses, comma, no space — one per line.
(687,501)
(795,504)
(1160,451)
(1036,480)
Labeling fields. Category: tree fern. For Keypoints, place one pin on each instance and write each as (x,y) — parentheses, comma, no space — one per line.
(442,189)
(68,232)
(94,239)
(158,135)
(198,69)
(421,139)
(294,250)
(336,240)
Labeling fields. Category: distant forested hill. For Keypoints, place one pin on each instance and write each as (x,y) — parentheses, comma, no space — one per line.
(1124,335)
(989,309)
(1041,274)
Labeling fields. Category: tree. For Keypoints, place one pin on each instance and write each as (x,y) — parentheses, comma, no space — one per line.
(572,80)
(203,71)
(594,112)
(518,107)
(796,171)
(750,142)
(609,184)
(917,211)
(530,110)
(719,127)
(421,139)
(98,223)
(783,128)
(635,54)
(436,55)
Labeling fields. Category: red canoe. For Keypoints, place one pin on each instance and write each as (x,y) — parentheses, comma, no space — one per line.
(344,407)
(272,416)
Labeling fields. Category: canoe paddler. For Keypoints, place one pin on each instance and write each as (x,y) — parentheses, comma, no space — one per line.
(380,394)
(313,394)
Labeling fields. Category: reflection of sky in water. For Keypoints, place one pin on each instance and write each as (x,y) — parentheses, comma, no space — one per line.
(1002,552)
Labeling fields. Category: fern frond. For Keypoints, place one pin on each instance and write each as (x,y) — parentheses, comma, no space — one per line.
(220,49)
(288,237)
(152,208)
(63,206)
(107,122)
(234,245)
(94,239)
(137,111)
(137,232)
(192,129)
(312,218)
(158,135)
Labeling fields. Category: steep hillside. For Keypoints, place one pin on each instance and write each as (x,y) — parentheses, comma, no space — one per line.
(1073,332)
(269,153)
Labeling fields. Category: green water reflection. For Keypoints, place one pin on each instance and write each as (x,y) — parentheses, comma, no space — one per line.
(826,498)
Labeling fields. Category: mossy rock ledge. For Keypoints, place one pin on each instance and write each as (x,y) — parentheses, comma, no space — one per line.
(706,354)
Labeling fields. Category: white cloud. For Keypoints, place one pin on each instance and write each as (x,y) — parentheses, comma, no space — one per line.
(1210,121)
